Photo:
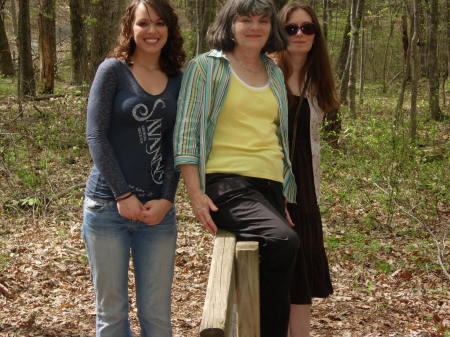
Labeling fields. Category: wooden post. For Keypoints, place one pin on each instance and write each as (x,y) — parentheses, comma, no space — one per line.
(219,293)
(247,288)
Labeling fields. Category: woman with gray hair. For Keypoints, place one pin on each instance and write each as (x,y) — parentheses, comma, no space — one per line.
(231,144)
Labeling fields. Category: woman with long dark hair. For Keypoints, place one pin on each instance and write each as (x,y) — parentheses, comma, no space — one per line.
(128,207)
(311,94)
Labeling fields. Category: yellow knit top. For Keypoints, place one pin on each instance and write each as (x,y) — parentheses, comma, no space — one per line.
(245,140)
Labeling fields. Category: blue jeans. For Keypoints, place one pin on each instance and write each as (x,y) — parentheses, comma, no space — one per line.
(110,240)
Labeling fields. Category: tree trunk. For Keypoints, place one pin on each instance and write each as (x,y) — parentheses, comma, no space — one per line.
(27,86)
(313,4)
(332,121)
(78,41)
(325,19)
(104,31)
(406,66)
(386,53)
(414,75)
(447,71)
(423,28)
(332,127)
(278,3)
(357,9)
(362,63)
(433,68)
(343,86)
(118,14)
(448,38)
(12,10)
(14,18)
(6,63)
(206,11)
(200,14)
(47,46)
(345,47)
(405,37)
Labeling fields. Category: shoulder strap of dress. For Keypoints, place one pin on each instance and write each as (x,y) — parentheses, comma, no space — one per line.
(296,117)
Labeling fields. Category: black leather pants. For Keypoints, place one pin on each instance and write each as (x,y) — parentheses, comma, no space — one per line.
(253,209)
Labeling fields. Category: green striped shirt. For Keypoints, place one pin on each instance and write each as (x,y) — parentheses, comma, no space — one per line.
(203,90)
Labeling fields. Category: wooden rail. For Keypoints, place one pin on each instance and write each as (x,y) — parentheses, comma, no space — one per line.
(233,283)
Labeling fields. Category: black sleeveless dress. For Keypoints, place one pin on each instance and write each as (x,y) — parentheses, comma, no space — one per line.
(311,276)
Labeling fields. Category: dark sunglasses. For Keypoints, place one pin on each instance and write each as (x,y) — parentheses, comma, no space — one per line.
(306,28)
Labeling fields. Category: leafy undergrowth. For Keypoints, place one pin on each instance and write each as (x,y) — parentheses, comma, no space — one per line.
(384,265)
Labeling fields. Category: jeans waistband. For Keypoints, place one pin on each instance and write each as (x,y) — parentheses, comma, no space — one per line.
(111,201)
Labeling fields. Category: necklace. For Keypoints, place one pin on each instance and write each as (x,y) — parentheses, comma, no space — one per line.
(247,68)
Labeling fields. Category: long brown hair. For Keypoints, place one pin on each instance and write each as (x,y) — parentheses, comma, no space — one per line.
(316,72)
(172,55)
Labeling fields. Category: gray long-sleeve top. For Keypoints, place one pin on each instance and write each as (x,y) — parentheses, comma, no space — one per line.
(129,133)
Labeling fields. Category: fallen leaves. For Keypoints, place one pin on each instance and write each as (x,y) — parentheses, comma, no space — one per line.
(50,294)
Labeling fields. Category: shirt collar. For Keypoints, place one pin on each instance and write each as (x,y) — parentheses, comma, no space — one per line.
(217,53)
(221,54)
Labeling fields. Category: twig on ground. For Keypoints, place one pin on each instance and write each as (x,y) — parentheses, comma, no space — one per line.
(62,193)
(4,291)
(41,113)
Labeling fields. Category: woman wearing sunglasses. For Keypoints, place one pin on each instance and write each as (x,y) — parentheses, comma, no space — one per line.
(311,93)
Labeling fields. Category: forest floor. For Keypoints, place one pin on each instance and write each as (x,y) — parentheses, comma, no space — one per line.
(386,276)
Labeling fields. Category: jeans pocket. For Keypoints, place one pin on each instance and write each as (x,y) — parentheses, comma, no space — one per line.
(95,205)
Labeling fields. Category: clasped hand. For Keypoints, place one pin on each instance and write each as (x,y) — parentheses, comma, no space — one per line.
(152,212)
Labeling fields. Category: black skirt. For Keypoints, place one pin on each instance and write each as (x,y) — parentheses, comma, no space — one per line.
(311,277)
